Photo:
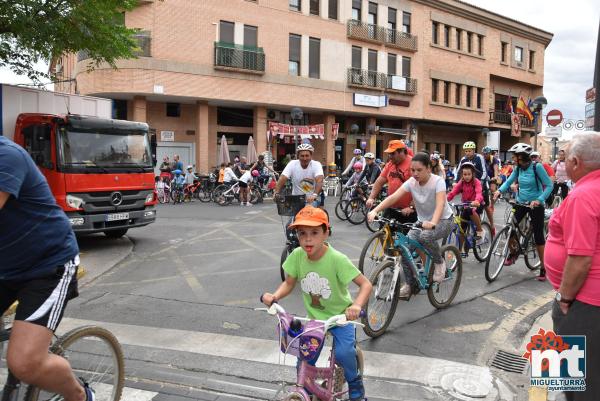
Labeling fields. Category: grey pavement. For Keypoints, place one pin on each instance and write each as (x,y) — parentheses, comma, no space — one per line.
(199,270)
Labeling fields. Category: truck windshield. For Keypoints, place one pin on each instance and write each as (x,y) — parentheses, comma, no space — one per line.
(105,150)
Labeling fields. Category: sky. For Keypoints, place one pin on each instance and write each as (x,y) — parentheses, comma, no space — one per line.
(569,59)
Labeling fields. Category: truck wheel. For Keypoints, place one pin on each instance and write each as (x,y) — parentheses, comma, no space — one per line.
(116,233)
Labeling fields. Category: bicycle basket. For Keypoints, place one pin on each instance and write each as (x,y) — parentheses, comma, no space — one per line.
(290,205)
(307,345)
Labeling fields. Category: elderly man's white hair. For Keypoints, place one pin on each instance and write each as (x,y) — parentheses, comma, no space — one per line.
(586,146)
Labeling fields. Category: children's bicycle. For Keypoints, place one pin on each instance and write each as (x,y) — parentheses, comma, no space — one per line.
(94,354)
(304,338)
(389,275)
(463,234)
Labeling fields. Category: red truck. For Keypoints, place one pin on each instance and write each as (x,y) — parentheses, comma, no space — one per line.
(100,170)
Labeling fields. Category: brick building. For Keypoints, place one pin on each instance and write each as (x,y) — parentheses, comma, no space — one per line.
(434,72)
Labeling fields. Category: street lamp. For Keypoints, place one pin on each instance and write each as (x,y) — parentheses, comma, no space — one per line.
(296,114)
(538,105)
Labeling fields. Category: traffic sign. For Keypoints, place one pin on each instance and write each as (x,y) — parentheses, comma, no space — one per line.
(553,132)
(554,117)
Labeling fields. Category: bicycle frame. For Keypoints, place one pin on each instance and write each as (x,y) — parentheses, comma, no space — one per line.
(458,228)
(403,243)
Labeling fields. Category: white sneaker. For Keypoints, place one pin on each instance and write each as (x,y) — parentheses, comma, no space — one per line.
(440,272)
(249,204)
(482,238)
(405,291)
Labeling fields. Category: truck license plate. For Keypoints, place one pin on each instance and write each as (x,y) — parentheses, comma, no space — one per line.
(117,216)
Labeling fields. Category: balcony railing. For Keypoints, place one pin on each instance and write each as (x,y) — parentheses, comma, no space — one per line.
(377,80)
(378,34)
(502,117)
(144,43)
(236,57)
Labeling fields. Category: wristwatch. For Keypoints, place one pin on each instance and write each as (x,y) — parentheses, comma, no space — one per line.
(559,298)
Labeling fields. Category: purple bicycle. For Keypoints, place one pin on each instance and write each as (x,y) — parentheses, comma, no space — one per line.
(304,338)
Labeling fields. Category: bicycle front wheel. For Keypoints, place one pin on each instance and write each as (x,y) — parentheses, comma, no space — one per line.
(531,255)
(373,253)
(498,254)
(355,211)
(340,209)
(96,357)
(382,303)
(482,250)
(442,294)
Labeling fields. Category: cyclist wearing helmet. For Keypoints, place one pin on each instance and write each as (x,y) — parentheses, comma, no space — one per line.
(532,180)
(437,167)
(372,170)
(472,156)
(358,180)
(356,159)
(306,175)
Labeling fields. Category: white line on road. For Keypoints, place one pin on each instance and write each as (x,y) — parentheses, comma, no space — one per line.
(469,328)
(498,301)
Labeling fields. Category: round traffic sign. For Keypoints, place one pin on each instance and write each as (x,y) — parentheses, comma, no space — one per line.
(554,117)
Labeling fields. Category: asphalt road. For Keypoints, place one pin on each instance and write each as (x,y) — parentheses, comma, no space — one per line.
(201,268)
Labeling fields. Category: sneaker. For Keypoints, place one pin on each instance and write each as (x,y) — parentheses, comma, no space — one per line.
(464,255)
(249,204)
(90,394)
(356,390)
(242,204)
(405,291)
(481,238)
(542,275)
(440,272)
(509,261)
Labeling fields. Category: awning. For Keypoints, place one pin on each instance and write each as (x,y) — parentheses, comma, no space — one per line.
(394,131)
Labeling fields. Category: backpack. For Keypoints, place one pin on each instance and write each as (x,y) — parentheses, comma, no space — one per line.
(538,180)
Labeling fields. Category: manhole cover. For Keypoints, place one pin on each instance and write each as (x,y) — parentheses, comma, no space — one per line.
(509,362)
(471,388)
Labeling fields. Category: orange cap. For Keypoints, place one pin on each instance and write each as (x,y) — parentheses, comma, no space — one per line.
(311,216)
(394,145)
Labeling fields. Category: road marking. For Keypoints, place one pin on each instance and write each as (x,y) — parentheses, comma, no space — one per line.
(272,219)
(146,281)
(498,301)
(253,212)
(231,326)
(469,328)
(260,249)
(498,338)
(189,277)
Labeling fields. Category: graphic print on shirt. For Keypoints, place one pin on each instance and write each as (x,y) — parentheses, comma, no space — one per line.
(307,185)
(317,287)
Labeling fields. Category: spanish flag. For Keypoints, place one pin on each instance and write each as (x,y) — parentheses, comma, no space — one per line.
(523,109)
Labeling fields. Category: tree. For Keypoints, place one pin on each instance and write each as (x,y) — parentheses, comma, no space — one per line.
(40,30)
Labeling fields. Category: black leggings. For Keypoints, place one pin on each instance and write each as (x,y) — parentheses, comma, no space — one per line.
(537,221)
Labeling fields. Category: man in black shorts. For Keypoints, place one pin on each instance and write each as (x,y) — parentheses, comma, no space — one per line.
(39,269)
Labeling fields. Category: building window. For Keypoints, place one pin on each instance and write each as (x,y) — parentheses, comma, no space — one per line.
(314,7)
(356,10)
(294,62)
(468,99)
(503,48)
(446,92)
(518,54)
(314,58)
(295,5)
(372,60)
(391,64)
(459,39)
(446,36)
(406,67)
(458,95)
(435,27)
(250,36)
(531,59)
(333,9)
(391,18)
(226,31)
(480,45)
(173,110)
(479,97)
(469,42)
(434,90)
(356,57)
(372,16)
(405,22)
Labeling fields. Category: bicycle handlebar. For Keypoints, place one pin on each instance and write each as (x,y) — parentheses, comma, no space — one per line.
(336,320)
(418,225)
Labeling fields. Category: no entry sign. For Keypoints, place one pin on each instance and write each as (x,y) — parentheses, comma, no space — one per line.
(554,117)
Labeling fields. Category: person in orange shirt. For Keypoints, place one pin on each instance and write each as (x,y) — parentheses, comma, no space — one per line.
(221,173)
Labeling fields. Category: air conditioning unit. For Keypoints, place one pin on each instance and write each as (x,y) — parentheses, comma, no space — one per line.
(274,115)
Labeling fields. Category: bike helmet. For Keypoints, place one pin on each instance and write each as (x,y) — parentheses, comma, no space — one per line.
(357,152)
(468,165)
(469,145)
(378,161)
(305,146)
(357,165)
(486,149)
(435,156)
(177,172)
(369,155)
(521,148)
(535,154)
(190,167)
(255,173)
(446,162)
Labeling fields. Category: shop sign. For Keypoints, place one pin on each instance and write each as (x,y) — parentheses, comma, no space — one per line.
(590,95)
(398,83)
(338,148)
(370,100)
(167,136)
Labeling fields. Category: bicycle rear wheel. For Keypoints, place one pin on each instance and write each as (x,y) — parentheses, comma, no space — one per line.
(96,357)
(375,225)
(382,303)
(442,294)
(481,251)
(373,253)
(531,256)
(340,209)
(498,254)
(355,210)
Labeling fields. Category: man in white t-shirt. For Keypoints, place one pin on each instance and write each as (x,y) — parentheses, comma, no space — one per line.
(229,176)
(306,175)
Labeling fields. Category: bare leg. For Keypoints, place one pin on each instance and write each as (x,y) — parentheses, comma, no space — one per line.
(477,220)
(29,360)
(540,249)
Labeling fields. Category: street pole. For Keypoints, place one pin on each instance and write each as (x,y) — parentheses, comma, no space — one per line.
(296,115)
(554,148)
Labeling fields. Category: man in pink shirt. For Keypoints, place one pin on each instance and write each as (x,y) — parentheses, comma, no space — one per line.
(572,257)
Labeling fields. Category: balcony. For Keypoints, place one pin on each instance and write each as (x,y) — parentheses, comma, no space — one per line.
(381,35)
(232,57)
(376,80)
(502,117)
(144,44)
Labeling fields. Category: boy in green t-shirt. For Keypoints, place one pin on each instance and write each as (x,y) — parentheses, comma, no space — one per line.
(324,276)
